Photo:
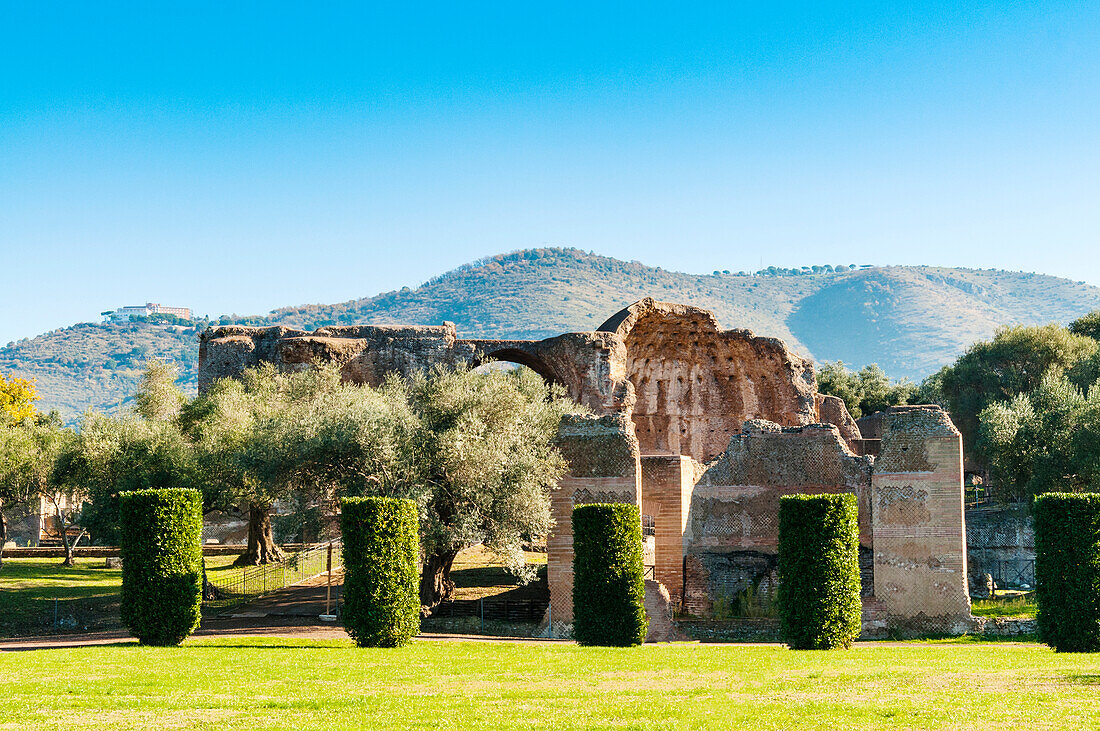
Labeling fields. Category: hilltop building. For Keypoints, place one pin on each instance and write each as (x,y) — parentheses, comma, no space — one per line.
(149,308)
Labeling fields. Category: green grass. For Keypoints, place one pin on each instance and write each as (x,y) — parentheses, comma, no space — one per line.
(1022,605)
(39,595)
(86,595)
(252,683)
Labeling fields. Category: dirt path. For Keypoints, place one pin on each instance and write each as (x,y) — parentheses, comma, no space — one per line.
(307,599)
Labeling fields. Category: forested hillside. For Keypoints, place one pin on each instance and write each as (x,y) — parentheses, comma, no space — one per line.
(910,320)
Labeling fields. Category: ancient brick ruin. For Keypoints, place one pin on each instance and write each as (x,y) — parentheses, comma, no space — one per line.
(705,429)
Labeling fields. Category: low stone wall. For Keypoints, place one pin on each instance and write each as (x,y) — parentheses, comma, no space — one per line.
(1005,626)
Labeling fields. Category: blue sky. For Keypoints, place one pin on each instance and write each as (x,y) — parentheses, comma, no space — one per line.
(236,157)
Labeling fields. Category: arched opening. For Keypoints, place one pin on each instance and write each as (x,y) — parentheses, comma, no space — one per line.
(518,357)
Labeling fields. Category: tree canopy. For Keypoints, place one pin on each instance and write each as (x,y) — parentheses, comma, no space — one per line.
(1014,362)
(17,397)
(474,450)
(864,391)
(1047,440)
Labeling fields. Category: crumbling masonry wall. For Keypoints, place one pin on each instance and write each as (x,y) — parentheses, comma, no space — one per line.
(695,384)
(603,460)
(732,532)
(918,523)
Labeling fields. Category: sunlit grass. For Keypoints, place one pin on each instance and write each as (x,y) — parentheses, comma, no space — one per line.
(265,683)
(1022,605)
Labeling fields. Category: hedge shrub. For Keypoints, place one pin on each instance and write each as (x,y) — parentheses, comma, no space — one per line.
(381,597)
(608,580)
(161,548)
(818,596)
(1067,570)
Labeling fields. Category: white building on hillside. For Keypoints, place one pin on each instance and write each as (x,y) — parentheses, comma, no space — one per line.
(150,308)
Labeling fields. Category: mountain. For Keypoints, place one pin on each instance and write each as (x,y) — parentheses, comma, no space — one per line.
(909,320)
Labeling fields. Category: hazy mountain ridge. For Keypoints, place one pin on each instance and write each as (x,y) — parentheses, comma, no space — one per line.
(910,320)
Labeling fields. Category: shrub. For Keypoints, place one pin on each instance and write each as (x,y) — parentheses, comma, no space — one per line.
(161,533)
(608,581)
(1067,570)
(819,604)
(381,597)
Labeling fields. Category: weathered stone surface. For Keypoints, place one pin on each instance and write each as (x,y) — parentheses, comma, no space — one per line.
(696,384)
(658,609)
(732,531)
(1000,540)
(918,523)
(831,410)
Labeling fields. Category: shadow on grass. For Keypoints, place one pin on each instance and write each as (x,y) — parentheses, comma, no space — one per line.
(1083,679)
(54,648)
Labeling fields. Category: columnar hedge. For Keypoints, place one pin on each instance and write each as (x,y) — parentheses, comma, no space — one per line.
(381,597)
(1067,570)
(818,597)
(161,547)
(608,575)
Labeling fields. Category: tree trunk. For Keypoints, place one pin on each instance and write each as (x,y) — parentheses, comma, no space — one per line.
(63,530)
(435,580)
(70,547)
(3,534)
(261,544)
(209,591)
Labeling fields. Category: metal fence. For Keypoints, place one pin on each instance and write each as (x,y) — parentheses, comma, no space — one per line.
(493,609)
(1011,573)
(235,586)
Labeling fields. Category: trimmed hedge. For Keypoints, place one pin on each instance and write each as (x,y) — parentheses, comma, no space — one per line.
(161,548)
(608,575)
(818,597)
(1067,570)
(381,597)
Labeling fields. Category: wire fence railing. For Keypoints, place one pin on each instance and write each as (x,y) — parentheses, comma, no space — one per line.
(233,586)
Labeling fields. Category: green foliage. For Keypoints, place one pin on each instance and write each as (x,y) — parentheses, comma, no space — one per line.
(1014,362)
(161,564)
(819,604)
(381,599)
(608,582)
(484,448)
(1043,441)
(112,455)
(29,451)
(1067,570)
(158,397)
(1087,325)
(865,391)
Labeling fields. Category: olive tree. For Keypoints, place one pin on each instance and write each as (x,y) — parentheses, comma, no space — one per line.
(1014,362)
(1047,440)
(485,453)
(29,452)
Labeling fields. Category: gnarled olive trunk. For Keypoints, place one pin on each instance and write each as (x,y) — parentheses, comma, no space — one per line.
(435,580)
(261,544)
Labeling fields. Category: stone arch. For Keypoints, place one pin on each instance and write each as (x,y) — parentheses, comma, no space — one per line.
(523,358)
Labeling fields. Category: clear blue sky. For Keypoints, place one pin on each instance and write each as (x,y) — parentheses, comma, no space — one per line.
(235,157)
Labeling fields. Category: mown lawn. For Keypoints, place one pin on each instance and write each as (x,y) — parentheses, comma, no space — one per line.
(39,595)
(254,683)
